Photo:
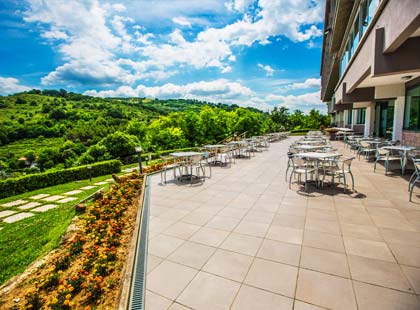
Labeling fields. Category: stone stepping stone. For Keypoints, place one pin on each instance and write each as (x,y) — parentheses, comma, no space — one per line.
(18,217)
(6,213)
(74,192)
(44,208)
(66,199)
(30,205)
(53,198)
(101,183)
(109,180)
(39,196)
(87,187)
(15,203)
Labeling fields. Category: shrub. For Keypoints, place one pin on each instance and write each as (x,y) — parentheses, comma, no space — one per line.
(14,186)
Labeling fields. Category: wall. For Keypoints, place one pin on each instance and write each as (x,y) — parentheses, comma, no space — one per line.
(360,129)
(411,138)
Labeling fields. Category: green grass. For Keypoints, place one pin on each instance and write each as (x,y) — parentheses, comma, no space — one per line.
(19,148)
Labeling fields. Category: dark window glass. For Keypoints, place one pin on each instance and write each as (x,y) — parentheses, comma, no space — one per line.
(412,109)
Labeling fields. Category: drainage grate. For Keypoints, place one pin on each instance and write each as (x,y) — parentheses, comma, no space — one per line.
(139,273)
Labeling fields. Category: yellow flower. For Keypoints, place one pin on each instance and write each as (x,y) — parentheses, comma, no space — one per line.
(68,296)
(66,302)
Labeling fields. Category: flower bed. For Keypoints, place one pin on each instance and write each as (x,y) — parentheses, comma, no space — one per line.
(85,272)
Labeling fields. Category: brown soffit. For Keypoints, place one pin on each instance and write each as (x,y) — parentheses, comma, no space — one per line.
(413,82)
(404,35)
(358,95)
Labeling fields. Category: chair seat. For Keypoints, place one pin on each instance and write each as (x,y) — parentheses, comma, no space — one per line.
(389,158)
(303,170)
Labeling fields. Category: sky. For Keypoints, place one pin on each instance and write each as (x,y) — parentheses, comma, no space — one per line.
(258,53)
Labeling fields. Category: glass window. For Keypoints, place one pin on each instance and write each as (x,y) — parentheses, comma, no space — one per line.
(364,16)
(355,35)
(349,117)
(373,5)
(412,109)
(361,116)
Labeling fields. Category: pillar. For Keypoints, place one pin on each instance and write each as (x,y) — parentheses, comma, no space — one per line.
(398,118)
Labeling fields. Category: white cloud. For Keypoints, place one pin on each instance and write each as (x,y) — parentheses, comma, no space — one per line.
(308,83)
(239,5)
(268,70)
(182,21)
(11,85)
(302,102)
(55,35)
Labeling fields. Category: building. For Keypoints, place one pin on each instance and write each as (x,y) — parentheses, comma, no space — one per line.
(370,67)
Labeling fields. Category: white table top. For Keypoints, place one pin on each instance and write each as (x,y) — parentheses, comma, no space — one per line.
(214,146)
(185,154)
(399,147)
(316,155)
(309,147)
(310,142)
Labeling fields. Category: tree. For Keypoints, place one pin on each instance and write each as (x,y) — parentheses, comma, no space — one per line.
(281,116)
(120,144)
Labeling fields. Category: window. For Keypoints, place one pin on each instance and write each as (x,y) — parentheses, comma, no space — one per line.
(349,117)
(412,109)
(360,116)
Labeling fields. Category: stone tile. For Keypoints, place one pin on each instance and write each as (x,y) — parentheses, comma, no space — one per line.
(53,198)
(374,297)
(291,221)
(330,227)
(285,234)
(233,213)
(378,272)
(192,254)
(259,216)
(281,252)
(158,225)
(6,213)
(299,305)
(413,276)
(153,262)
(101,183)
(162,246)
(251,298)
(176,306)
(323,241)
(65,200)
(368,248)
(407,255)
(393,222)
(360,232)
(243,244)
(209,292)
(88,187)
(252,228)
(174,214)
(39,196)
(229,265)
(17,217)
(265,274)
(169,279)
(401,237)
(73,192)
(292,210)
(197,218)
(223,223)
(156,302)
(29,205)
(14,203)
(181,230)
(45,208)
(325,290)
(209,236)
(324,215)
(325,261)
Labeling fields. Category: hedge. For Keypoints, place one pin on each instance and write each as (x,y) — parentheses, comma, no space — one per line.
(145,156)
(14,186)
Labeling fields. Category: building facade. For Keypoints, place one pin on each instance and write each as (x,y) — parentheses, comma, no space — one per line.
(370,67)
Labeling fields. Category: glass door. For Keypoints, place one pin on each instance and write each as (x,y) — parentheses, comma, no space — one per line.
(385,119)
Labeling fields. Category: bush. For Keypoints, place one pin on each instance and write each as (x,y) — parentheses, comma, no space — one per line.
(11,187)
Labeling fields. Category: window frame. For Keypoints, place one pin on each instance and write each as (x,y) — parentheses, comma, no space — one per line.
(405,110)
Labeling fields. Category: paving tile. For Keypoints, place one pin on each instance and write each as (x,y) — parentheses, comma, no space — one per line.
(156,302)
(360,231)
(101,183)
(325,215)
(323,241)
(223,223)
(181,230)
(243,244)
(233,213)
(192,254)
(158,225)
(169,279)
(281,252)
(65,200)
(162,246)
(209,236)
(368,248)
(374,297)
(44,208)
(401,237)
(53,198)
(325,261)
(174,214)
(331,227)
(413,276)
(251,298)
(229,265)
(209,292)
(197,218)
(17,217)
(325,290)
(300,305)
(153,262)
(39,196)
(285,234)
(88,187)
(407,255)
(378,272)
(291,221)
(252,228)
(176,306)
(6,213)
(393,222)
(266,275)
(73,192)
(29,205)
(259,216)
(14,203)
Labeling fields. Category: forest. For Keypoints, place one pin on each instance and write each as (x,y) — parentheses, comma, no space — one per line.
(56,129)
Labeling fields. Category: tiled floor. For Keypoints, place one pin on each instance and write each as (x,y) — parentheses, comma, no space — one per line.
(244,240)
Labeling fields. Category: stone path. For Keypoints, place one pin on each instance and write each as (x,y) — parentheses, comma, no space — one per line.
(244,240)
(23,208)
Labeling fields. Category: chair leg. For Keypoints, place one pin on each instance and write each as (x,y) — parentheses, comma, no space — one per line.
(411,179)
(344,182)
(412,187)
(352,180)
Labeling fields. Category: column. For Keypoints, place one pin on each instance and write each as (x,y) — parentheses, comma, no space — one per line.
(370,120)
(398,118)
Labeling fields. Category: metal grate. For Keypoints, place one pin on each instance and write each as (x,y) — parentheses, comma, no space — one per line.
(136,301)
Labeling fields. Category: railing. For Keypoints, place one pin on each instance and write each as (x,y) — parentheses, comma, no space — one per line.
(235,137)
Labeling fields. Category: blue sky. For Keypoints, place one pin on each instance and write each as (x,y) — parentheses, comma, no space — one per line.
(260,53)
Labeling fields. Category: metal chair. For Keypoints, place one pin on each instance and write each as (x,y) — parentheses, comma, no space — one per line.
(416,173)
(385,156)
(169,163)
(300,167)
(366,149)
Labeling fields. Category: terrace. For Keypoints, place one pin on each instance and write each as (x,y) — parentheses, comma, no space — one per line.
(244,240)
